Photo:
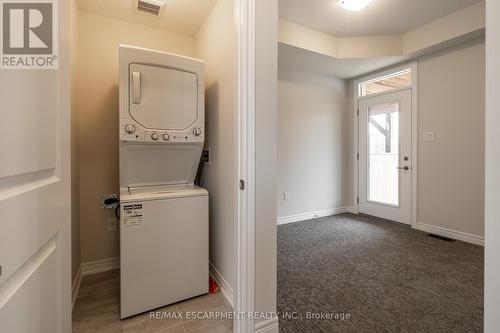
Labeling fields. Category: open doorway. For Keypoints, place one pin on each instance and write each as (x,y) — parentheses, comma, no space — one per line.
(181,68)
(377,188)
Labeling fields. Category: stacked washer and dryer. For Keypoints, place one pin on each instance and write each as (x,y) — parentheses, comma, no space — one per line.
(163,215)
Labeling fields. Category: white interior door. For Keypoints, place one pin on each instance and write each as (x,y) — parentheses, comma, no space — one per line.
(385,156)
(35,276)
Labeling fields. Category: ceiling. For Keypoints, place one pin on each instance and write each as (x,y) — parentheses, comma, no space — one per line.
(380,17)
(181,16)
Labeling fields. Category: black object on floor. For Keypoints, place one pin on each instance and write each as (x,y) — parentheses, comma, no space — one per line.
(446,239)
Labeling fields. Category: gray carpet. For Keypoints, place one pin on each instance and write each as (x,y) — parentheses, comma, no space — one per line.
(385,276)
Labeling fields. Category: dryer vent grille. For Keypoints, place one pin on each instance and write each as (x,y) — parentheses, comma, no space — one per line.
(151,7)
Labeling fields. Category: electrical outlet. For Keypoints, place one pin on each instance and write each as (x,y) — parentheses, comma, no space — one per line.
(286,196)
(112,224)
(205,157)
(110,197)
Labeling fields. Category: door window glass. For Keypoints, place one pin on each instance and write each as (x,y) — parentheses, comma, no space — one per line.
(383,153)
(386,83)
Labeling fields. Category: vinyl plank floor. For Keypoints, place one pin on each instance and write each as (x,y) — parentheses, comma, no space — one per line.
(97,310)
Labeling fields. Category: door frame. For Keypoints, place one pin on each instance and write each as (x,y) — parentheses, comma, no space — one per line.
(244,301)
(414,131)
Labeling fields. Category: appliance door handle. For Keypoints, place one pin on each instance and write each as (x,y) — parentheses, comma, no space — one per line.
(136,87)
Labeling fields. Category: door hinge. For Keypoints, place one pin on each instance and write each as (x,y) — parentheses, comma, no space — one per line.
(357,112)
(357,199)
(242,184)
(357,156)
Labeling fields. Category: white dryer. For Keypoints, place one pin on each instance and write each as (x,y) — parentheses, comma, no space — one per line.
(163,215)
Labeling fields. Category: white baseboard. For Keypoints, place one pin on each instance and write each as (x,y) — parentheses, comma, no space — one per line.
(99,266)
(225,287)
(453,234)
(92,267)
(76,286)
(352,210)
(267,326)
(311,215)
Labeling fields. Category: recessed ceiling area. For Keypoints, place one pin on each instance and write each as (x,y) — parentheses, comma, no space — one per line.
(380,17)
(311,50)
(307,61)
(180,16)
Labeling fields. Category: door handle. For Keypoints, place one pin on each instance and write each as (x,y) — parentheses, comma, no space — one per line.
(406,168)
(136,87)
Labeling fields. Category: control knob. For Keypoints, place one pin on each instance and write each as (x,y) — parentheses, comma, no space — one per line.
(166,137)
(130,128)
(154,136)
(196,131)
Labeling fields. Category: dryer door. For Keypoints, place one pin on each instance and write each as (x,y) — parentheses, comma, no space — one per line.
(162,98)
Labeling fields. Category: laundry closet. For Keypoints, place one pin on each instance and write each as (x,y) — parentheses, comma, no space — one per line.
(153,89)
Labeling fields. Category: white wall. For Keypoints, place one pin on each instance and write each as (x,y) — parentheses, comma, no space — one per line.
(451,169)
(215,44)
(312,142)
(352,149)
(492,213)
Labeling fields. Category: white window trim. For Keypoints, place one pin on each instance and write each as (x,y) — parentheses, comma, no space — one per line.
(414,130)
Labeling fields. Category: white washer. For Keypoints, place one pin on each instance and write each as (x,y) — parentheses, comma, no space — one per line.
(164,247)
(164,216)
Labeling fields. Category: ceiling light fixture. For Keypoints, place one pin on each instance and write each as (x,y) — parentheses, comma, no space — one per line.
(354,5)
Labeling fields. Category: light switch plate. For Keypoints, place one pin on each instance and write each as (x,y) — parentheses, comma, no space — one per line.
(286,196)
(428,136)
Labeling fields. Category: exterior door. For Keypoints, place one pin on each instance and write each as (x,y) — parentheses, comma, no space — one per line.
(385,160)
(35,251)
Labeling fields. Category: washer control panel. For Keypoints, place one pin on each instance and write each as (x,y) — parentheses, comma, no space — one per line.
(133,132)
(130,128)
